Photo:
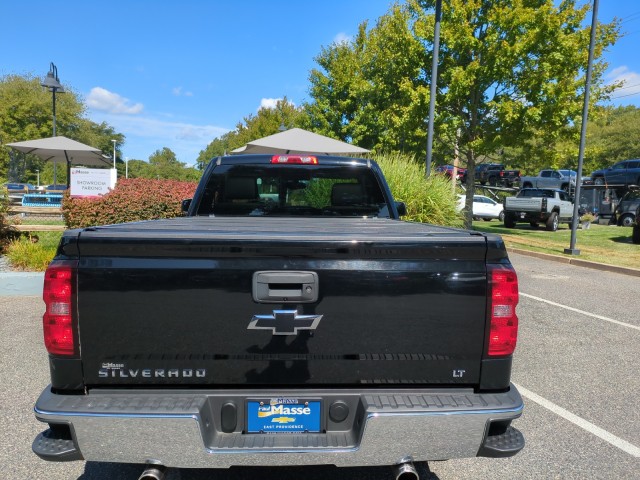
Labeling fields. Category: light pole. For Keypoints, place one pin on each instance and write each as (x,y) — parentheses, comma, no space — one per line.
(126,167)
(114,153)
(572,250)
(52,83)
(434,82)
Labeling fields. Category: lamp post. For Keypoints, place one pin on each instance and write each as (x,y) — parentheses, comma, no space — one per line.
(52,83)
(114,153)
(572,250)
(126,167)
(434,81)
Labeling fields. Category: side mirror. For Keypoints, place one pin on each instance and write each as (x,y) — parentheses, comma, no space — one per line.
(401,208)
(185,205)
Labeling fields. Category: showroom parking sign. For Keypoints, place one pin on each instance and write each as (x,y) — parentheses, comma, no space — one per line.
(92,182)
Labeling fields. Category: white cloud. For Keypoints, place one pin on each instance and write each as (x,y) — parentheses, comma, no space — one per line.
(145,134)
(177,91)
(630,80)
(341,38)
(106,101)
(272,103)
(154,128)
(269,102)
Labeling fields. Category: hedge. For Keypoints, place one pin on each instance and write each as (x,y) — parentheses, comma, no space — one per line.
(131,200)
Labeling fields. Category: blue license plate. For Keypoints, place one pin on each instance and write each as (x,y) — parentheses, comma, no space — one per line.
(283,415)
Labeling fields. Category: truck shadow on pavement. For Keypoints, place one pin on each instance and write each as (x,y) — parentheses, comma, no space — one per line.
(121,471)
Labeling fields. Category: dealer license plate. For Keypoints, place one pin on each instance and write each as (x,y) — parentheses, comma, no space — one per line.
(283,415)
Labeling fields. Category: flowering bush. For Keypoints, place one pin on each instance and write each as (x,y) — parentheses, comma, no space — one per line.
(132,200)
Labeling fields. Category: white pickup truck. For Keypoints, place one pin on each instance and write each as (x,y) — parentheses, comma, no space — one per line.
(538,205)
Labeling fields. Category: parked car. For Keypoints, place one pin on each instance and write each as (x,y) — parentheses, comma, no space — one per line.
(626,211)
(19,187)
(448,170)
(56,188)
(621,173)
(483,207)
(15,191)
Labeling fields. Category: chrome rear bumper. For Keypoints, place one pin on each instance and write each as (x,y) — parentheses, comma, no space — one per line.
(186,429)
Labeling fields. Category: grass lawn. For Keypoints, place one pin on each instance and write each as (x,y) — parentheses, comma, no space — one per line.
(600,243)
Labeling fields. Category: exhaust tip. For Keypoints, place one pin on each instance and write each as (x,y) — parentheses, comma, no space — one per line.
(153,472)
(405,471)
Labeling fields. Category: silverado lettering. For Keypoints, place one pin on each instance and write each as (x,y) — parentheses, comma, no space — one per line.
(150,373)
(289,301)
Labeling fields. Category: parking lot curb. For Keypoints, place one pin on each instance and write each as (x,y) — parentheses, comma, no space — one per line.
(14,284)
(578,262)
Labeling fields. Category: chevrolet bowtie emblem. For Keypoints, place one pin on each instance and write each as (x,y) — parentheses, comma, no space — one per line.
(284,322)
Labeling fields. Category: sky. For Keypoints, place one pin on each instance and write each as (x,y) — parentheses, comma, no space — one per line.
(178,74)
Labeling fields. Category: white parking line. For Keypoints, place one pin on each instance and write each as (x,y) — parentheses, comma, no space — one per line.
(581,422)
(589,314)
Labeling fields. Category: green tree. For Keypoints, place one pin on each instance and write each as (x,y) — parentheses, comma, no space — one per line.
(266,122)
(26,114)
(511,76)
(139,169)
(514,70)
(614,135)
(164,164)
(373,91)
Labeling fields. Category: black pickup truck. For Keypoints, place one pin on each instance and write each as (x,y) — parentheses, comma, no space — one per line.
(496,175)
(289,318)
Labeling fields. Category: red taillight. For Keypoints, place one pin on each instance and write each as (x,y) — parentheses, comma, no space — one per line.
(300,159)
(503,332)
(57,321)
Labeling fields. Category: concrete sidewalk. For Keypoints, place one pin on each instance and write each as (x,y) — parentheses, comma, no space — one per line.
(21,284)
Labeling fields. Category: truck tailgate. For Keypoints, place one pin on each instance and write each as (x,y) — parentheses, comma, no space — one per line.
(523,204)
(172,303)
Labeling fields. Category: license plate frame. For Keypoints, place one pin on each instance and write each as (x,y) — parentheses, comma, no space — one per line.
(283,415)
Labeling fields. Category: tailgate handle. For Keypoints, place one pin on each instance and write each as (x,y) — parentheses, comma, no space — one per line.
(285,287)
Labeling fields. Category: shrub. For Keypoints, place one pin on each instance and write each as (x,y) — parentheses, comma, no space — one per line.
(7,232)
(131,200)
(25,254)
(428,200)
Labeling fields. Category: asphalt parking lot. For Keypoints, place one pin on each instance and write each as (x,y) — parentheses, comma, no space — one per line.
(576,366)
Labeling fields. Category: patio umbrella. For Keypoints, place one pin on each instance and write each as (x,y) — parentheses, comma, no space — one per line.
(297,140)
(58,149)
